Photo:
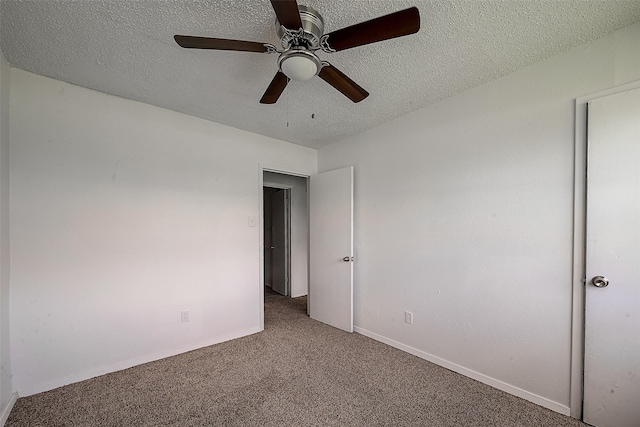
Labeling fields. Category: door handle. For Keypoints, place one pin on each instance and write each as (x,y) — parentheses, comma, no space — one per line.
(347,259)
(600,282)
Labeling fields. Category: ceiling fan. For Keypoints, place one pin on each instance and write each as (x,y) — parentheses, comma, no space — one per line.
(300,29)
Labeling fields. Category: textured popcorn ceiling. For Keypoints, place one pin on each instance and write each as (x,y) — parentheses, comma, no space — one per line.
(126,48)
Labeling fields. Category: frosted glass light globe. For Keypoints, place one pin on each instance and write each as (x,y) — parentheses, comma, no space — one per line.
(299,67)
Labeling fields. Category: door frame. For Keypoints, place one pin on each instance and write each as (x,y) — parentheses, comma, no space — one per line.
(261,170)
(579,243)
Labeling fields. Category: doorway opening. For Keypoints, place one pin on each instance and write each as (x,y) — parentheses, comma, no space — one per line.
(285,231)
(321,231)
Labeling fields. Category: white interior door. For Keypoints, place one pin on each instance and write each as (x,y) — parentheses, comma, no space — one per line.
(612,313)
(268,251)
(279,270)
(331,248)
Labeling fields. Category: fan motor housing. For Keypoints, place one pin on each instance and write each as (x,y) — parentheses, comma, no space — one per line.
(312,30)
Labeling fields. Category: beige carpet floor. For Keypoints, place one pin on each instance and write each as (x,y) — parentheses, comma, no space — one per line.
(297,372)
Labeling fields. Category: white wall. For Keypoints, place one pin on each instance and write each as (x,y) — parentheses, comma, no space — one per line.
(463,215)
(6,389)
(299,230)
(122,215)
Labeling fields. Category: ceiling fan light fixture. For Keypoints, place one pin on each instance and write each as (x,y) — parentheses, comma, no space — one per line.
(299,64)
(301,32)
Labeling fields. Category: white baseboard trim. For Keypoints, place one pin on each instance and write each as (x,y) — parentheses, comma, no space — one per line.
(119,366)
(538,400)
(7,409)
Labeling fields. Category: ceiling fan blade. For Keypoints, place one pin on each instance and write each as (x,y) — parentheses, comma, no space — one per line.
(287,13)
(275,89)
(386,27)
(192,42)
(344,84)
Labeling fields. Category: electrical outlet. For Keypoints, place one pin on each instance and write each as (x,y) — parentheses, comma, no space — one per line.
(408,317)
(184,316)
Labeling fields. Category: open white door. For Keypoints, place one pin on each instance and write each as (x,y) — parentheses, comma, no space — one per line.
(612,293)
(331,248)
